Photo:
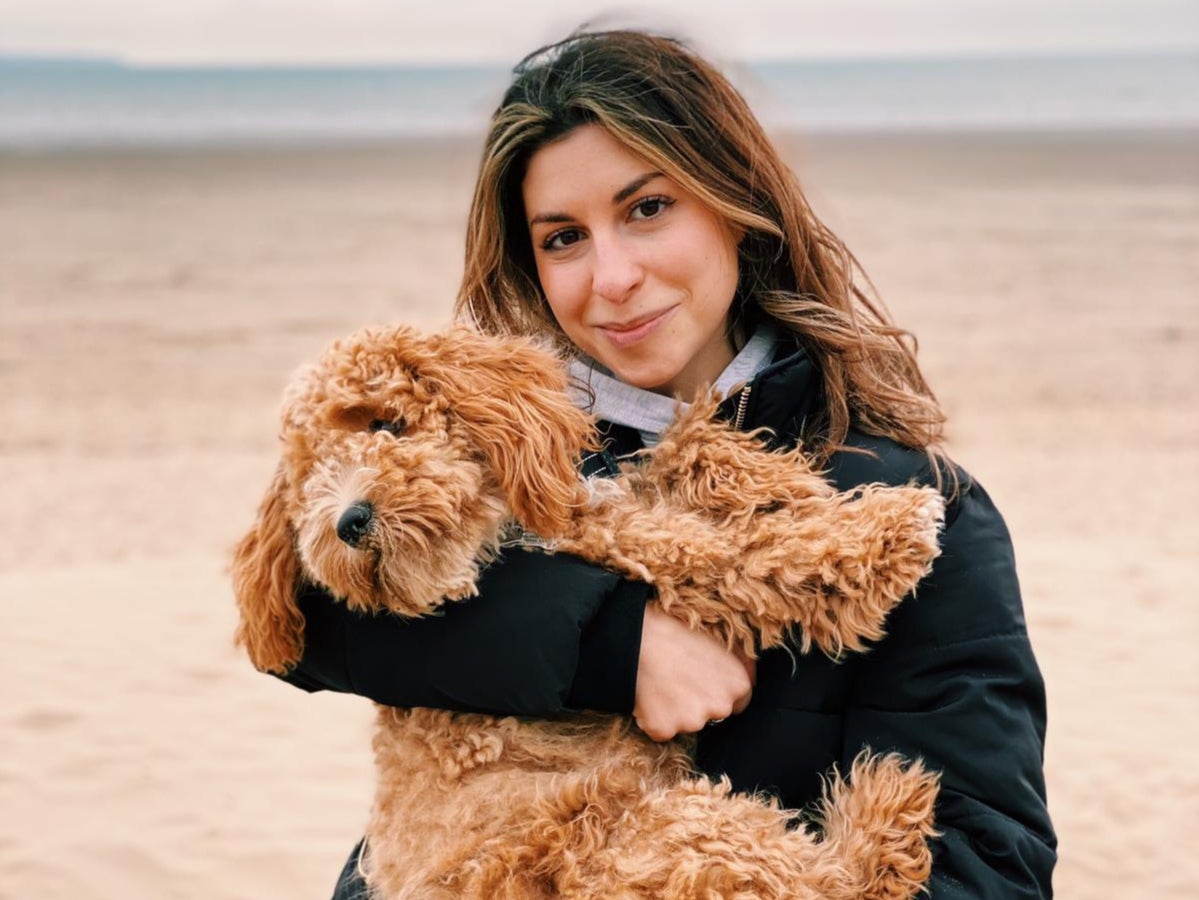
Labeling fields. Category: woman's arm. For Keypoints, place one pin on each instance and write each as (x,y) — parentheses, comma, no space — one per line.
(546,634)
(956,684)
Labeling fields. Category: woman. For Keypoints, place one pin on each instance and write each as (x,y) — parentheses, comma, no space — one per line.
(630,207)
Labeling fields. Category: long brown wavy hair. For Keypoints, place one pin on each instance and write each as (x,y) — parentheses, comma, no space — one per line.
(669,106)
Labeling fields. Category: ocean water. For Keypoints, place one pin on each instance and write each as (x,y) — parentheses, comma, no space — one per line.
(62,104)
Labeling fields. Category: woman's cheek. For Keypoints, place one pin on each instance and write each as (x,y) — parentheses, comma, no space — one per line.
(564,291)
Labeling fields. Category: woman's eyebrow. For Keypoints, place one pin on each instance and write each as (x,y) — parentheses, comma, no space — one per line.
(552,218)
(634,186)
(620,196)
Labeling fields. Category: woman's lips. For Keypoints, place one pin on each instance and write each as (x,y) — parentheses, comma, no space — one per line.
(625,335)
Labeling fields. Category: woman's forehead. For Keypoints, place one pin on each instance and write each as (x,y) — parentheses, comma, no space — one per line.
(587,164)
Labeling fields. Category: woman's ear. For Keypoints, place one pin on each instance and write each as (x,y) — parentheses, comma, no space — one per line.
(265,573)
(512,398)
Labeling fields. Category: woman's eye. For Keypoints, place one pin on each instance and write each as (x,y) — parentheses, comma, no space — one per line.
(560,240)
(391,426)
(650,207)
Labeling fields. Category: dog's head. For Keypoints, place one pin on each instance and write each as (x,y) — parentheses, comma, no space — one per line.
(403,456)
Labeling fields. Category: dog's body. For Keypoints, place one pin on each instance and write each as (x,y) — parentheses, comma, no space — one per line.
(407,458)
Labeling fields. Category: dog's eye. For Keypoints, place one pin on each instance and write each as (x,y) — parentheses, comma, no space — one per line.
(391,426)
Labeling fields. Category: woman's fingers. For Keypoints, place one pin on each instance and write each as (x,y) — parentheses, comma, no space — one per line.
(751,671)
(686,679)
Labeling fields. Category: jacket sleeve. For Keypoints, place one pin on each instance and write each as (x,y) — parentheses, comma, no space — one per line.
(956,684)
(546,634)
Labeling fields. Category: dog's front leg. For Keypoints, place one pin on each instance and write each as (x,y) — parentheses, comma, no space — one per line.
(852,558)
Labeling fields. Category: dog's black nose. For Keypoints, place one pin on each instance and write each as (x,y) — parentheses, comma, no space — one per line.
(355,522)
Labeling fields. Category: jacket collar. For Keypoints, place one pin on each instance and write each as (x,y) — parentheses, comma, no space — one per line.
(596,390)
(783,397)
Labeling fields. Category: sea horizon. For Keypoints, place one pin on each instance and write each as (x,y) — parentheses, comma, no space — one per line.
(62,101)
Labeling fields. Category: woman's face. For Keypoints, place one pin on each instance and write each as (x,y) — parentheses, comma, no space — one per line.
(639,274)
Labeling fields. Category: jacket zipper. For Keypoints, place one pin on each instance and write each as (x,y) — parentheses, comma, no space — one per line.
(742,405)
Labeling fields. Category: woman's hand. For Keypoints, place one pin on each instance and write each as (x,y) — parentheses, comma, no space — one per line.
(686,679)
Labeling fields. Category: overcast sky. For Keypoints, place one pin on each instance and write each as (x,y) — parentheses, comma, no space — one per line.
(399,31)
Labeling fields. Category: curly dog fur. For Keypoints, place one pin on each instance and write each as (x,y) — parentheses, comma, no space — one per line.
(442,443)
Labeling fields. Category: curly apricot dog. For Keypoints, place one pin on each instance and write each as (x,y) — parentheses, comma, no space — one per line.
(407,459)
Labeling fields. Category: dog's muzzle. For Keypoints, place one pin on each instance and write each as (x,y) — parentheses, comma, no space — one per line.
(355,523)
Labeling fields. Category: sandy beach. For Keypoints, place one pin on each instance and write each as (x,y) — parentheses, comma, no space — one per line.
(153,304)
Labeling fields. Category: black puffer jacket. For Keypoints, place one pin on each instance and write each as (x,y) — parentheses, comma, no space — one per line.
(954,682)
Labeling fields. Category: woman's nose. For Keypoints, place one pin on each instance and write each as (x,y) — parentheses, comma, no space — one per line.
(617,272)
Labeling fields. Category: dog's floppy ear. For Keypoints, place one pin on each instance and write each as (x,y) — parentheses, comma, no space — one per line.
(512,397)
(265,578)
